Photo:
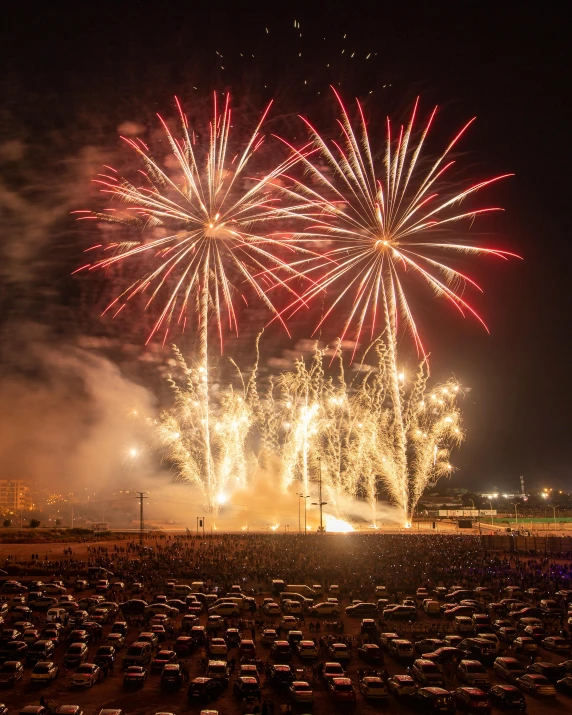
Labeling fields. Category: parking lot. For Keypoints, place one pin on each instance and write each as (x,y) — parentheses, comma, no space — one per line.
(370,646)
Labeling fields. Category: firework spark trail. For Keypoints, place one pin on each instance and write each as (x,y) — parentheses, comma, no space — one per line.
(362,440)
(206,439)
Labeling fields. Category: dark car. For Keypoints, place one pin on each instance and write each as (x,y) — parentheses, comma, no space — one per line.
(399,613)
(507,697)
(162,658)
(281,651)
(105,656)
(429,645)
(203,690)
(40,650)
(368,625)
(471,700)
(553,672)
(281,675)
(79,636)
(434,700)
(361,609)
(184,645)
(232,637)
(135,675)
(135,606)
(565,685)
(172,676)
(246,688)
(370,653)
(11,672)
(14,650)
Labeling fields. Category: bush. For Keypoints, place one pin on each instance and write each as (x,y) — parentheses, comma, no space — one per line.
(34,523)
(7,523)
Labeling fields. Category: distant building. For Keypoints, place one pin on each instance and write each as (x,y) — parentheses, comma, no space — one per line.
(15,494)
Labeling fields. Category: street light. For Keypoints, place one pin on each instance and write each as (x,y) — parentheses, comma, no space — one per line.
(320,503)
(515,513)
(554,513)
(491,506)
(304,497)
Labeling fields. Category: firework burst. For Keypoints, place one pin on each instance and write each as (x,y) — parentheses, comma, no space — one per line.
(209,224)
(380,221)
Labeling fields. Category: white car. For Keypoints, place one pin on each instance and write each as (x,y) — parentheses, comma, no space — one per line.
(86,675)
(289,623)
(324,609)
(45,671)
(225,609)
(301,692)
(291,607)
(272,609)
(218,646)
(307,649)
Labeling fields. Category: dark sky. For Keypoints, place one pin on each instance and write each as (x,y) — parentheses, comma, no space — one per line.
(72,73)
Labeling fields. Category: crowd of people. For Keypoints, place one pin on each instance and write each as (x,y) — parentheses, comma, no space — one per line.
(354,562)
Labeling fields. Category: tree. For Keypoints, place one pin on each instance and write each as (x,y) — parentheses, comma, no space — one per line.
(7,523)
(58,522)
(34,523)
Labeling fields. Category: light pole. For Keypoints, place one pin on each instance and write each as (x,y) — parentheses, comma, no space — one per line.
(491,506)
(320,503)
(304,497)
(515,513)
(554,513)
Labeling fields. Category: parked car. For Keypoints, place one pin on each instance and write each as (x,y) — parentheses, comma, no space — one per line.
(172,676)
(508,669)
(474,674)
(11,672)
(342,690)
(472,700)
(548,670)
(301,692)
(373,688)
(245,688)
(86,675)
(135,675)
(434,701)
(535,684)
(203,690)
(75,655)
(370,653)
(507,697)
(326,608)
(401,685)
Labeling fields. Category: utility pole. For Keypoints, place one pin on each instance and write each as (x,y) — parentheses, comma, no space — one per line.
(141,496)
(320,503)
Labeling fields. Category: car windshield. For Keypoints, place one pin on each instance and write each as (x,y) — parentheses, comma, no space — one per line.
(344,687)
(42,669)
(74,649)
(430,669)
(9,667)
(475,668)
(84,669)
(478,698)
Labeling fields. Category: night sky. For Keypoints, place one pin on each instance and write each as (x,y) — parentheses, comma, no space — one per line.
(71,74)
